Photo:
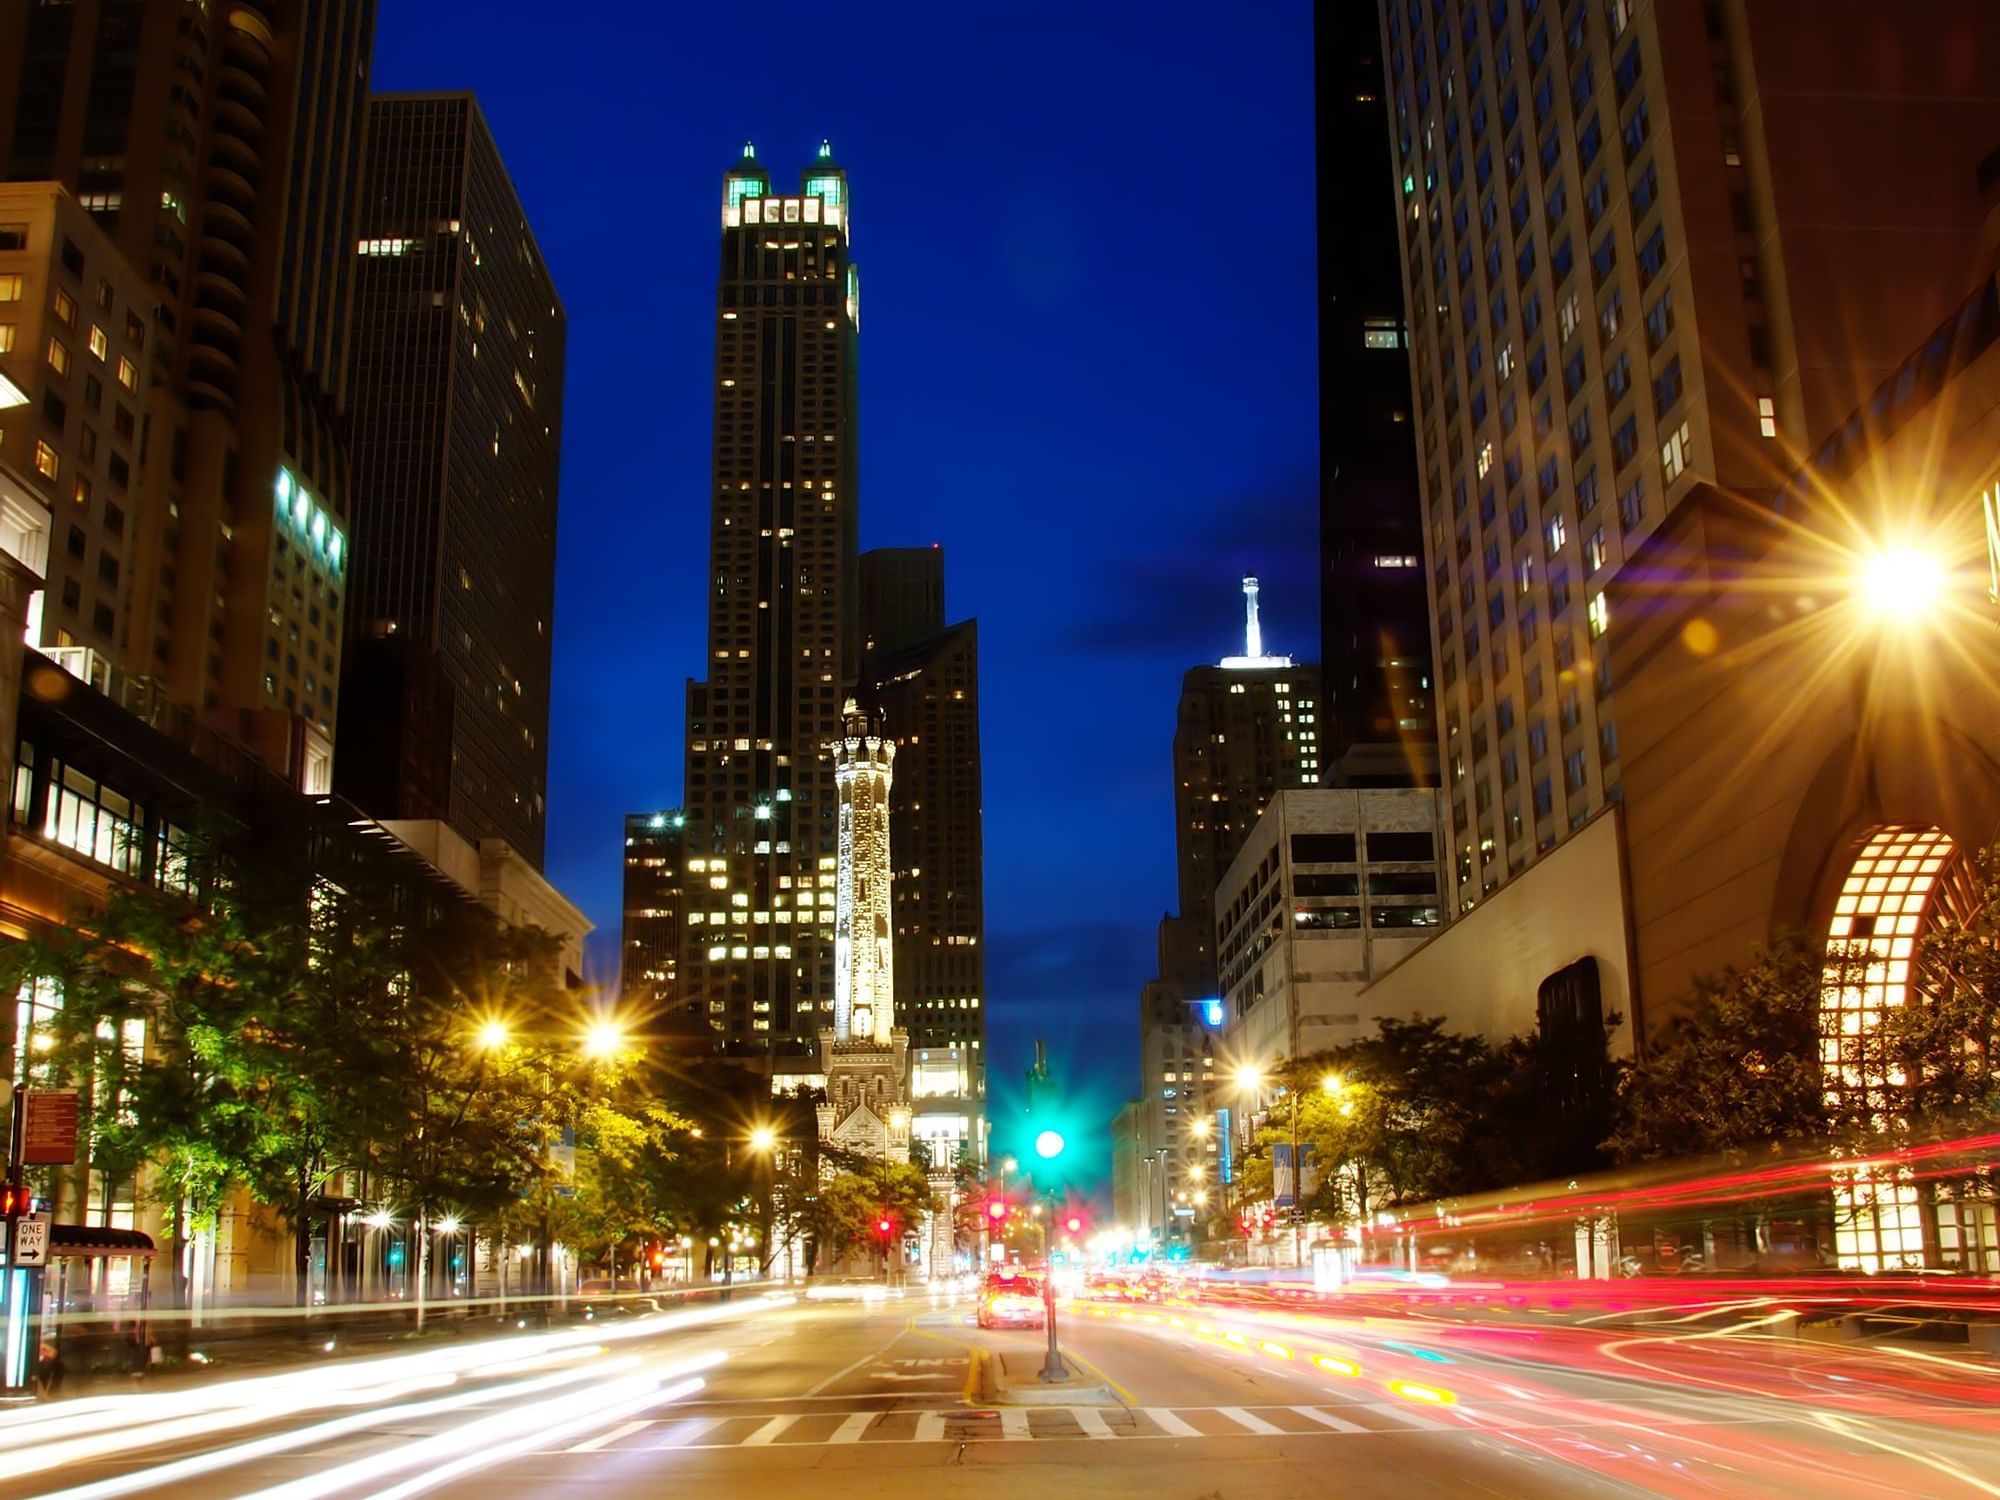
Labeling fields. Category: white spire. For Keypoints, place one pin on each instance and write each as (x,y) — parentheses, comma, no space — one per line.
(1253,636)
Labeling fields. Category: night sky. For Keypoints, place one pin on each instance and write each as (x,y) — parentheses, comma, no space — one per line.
(1085,234)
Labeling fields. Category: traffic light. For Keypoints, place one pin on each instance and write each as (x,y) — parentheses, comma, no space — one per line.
(885,1227)
(1074,1224)
(15,1199)
(996,1210)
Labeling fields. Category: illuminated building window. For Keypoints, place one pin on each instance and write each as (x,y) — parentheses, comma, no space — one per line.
(1767,417)
(98,343)
(1902,881)
(46,462)
(58,356)
(1600,615)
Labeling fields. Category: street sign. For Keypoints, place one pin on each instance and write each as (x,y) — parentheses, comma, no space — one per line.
(31,1240)
(48,1127)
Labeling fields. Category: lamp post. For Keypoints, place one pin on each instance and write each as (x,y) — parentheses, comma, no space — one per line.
(764,1142)
(1049,1146)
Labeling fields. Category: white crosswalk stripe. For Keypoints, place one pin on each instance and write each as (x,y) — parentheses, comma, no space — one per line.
(1091,1421)
(605,1439)
(1338,1424)
(769,1432)
(1255,1424)
(1167,1421)
(1011,1424)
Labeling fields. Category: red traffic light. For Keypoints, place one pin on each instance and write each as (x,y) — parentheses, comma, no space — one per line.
(996,1210)
(1073,1224)
(16,1198)
(883,1226)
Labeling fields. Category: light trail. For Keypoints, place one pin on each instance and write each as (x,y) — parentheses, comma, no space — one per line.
(48,1438)
(284,1442)
(490,1440)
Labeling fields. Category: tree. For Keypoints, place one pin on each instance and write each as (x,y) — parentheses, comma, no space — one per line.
(842,1214)
(1737,1069)
(1946,1048)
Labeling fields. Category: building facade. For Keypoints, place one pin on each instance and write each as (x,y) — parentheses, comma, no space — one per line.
(219,150)
(762,815)
(1332,888)
(654,907)
(458,377)
(1375,637)
(1633,270)
(75,320)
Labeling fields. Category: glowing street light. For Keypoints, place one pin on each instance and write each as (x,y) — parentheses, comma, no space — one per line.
(603,1039)
(1201,1128)
(492,1036)
(448,1224)
(1049,1145)
(763,1138)
(1901,584)
(1333,1083)
(1248,1077)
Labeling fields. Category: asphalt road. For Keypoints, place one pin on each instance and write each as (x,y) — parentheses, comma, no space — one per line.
(774,1399)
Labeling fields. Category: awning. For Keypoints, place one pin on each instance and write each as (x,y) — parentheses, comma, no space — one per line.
(87,1240)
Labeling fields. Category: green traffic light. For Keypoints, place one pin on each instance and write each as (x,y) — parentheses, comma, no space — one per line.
(1049,1145)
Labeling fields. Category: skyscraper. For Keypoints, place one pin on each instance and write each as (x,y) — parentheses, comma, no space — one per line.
(1244,730)
(1375,637)
(458,365)
(783,644)
(1631,272)
(218,147)
(654,906)
(902,597)
(922,677)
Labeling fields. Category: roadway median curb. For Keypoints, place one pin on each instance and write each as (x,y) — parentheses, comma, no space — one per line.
(1004,1378)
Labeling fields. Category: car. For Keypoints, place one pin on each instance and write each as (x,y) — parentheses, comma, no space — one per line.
(1011,1299)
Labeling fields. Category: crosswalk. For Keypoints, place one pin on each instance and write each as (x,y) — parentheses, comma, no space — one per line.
(1007,1424)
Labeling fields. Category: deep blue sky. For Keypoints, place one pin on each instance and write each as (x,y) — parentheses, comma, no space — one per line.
(1086,240)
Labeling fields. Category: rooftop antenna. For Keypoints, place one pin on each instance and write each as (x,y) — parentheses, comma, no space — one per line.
(1253,637)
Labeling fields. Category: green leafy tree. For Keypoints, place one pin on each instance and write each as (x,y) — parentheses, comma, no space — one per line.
(1947,1047)
(1738,1067)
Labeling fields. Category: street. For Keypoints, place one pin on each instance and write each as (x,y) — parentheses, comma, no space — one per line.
(768,1396)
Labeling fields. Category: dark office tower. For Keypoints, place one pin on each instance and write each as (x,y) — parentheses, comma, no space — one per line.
(927,692)
(902,597)
(218,147)
(762,820)
(458,381)
(655,901)
(1245,729)
(1375,654)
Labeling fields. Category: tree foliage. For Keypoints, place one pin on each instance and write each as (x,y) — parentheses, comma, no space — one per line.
(1738,1067)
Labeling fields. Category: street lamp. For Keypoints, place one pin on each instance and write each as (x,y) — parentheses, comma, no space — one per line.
(1901,584)
(492,1035)
(764,1143)
(603,1039)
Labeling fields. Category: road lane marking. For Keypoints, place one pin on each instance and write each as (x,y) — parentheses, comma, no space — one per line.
(1168,1422)
(851,1427)
(1338,1424)
(681,1434)
(1255,1424)
(1091,1420)
(769,1432)
(605,1439)
(930,1427)
(1014,1422)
